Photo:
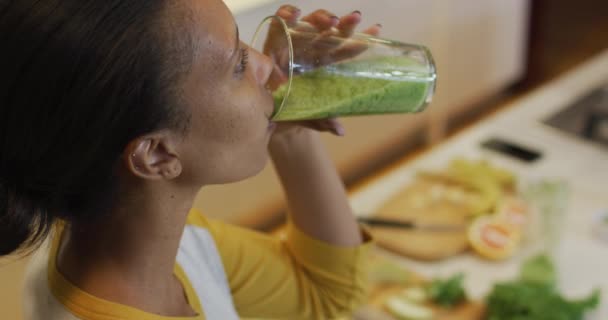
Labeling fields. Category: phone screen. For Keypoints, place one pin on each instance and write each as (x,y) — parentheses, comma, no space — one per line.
(511,149)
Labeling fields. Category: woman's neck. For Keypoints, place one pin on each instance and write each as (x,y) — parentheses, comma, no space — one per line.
(130,257)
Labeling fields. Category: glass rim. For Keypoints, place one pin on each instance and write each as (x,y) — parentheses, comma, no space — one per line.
(427,59)
(285,28)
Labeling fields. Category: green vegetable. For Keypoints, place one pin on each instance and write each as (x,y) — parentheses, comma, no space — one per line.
(539,270)
(534,296)
(526,301)
(349,88)
(448,292)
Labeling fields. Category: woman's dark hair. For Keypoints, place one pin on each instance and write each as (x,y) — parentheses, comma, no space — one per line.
(79,79)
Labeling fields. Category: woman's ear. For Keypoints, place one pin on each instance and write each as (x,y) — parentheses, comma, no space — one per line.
(153,156)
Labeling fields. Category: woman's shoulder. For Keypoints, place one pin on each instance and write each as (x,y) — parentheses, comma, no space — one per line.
(198,245)
(200,259)
(38,301)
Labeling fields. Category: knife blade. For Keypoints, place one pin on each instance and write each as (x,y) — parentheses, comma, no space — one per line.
(411,225)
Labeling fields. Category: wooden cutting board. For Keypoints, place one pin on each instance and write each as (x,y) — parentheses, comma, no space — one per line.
(426,201)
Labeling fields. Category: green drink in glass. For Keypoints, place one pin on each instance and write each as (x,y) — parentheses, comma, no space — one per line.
(367,75)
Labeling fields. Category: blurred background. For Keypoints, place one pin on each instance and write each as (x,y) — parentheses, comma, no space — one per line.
(488,54)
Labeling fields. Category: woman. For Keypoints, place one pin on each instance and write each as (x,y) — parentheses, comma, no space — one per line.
(113,114)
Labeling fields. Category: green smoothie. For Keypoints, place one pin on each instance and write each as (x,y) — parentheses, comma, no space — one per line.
(355,88)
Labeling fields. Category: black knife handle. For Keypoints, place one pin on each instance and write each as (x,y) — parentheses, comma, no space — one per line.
(378,222)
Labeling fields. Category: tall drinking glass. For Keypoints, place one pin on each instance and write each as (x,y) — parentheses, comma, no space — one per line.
(322,74)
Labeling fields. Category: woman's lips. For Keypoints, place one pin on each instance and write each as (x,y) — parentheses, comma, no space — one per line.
(271,125)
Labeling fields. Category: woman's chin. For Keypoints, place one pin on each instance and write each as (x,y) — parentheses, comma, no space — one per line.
(258,170)
(246,173)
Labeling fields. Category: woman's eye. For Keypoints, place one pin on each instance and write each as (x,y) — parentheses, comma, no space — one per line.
(243,63)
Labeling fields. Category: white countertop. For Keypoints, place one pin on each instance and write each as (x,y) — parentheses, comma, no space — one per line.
(582,260)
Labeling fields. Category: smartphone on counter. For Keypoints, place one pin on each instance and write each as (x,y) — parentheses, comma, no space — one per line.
(511,149)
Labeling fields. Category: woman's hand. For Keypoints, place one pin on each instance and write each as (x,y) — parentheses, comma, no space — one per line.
(325,37)
(318,39)
(317,200)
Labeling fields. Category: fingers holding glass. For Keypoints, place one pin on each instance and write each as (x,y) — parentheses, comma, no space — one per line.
(348,23)
(354,47)
(289,14)
(322,20)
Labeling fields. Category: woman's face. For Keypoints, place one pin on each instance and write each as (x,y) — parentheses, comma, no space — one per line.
(226,96)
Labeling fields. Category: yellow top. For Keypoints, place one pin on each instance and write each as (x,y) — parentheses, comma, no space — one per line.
(294,277)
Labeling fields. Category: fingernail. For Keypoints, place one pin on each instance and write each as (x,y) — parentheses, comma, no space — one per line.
(357,12)
(339,130)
